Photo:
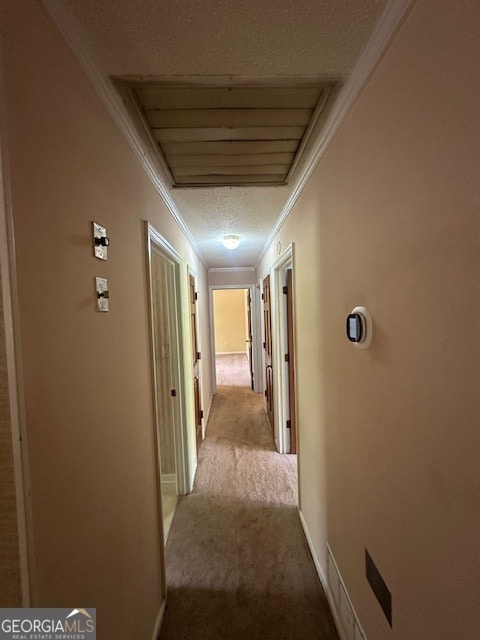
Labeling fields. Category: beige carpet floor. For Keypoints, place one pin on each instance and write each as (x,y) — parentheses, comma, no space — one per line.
(232,369)
(238,564)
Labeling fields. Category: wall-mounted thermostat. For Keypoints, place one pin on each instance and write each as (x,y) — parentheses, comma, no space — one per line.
(100,241)
(359,327)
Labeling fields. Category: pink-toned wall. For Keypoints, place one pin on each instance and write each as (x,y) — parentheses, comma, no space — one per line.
(389,437)
(88,386)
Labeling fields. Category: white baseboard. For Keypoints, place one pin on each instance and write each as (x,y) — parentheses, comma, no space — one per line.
(158,621)
(344,605)
(324,581)
(231,353)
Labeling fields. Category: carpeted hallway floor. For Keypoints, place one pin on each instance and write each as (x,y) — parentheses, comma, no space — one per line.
(238,564)
(232,370)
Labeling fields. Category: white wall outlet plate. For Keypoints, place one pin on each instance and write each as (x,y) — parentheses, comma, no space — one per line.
(100,241)
(101,292)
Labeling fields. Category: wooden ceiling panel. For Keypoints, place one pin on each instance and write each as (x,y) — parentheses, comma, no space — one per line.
(227,180)
(230,160)
(172,118)
(233,147)
(228,135)
(155,97)
(231,171)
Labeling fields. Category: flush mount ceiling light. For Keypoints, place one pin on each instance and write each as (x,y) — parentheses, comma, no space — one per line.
(231,242)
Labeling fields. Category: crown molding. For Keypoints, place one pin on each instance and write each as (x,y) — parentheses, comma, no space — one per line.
(112,101)
(384,32)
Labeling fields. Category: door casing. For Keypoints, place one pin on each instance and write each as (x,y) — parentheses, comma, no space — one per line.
(196,353)
(154,238)
(269,364)
(280,348)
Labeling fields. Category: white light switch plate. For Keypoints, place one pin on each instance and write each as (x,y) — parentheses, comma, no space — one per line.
(99,250)
(101,291)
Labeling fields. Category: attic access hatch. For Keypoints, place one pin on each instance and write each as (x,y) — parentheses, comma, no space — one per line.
(225,135)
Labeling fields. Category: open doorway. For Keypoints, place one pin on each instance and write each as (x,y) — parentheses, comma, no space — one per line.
(279,352)
(161,269)
(232,325)
(165,297)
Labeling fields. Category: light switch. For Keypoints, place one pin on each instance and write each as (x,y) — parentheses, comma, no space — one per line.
(100,241)
(101,291)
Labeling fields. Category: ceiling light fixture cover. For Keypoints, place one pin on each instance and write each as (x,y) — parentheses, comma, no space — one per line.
(231,242)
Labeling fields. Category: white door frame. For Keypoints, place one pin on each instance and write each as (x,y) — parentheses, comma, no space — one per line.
(280,348)
(191,272)
(256,333)
(154,238)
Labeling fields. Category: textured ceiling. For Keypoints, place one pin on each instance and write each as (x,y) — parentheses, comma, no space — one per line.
(249,212)
(226,37)
(251,39)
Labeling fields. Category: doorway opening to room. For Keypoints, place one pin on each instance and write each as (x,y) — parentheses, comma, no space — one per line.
(235,333)
(168,383)
(232,328)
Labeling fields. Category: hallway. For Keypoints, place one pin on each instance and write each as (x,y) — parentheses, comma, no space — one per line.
(238,564)
(320,157)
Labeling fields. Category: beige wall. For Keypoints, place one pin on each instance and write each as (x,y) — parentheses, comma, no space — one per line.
(231,277)
(88,384)
(10,576)
(389,437)
(229,314)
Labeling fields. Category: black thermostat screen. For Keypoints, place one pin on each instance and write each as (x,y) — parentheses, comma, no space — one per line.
(354,327)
